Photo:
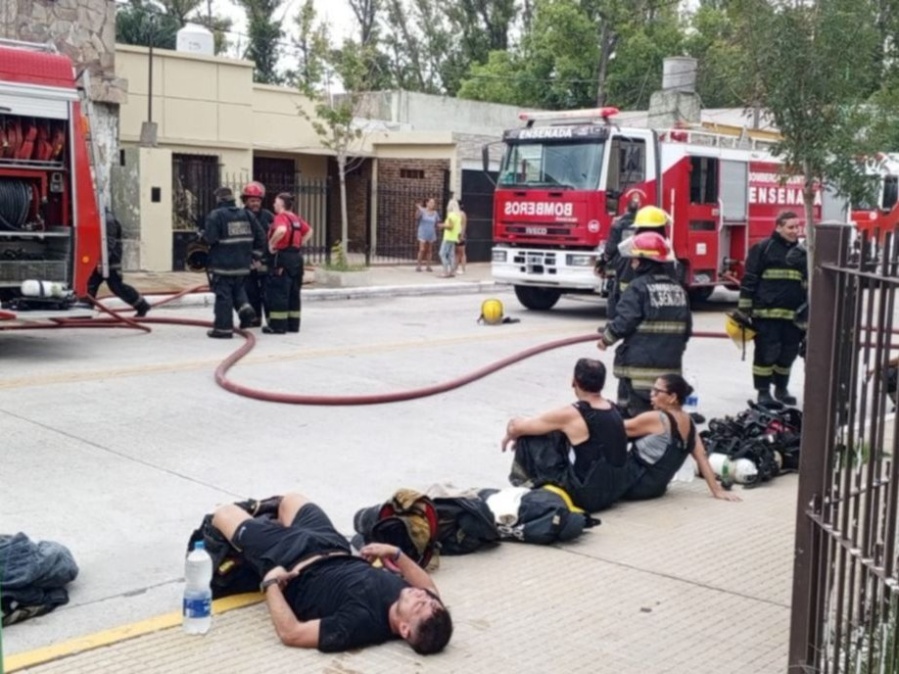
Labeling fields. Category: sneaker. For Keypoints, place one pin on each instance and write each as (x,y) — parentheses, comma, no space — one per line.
(428,269)
(460,272)
(783,395)
(219,334)
(765,397)
(418,269)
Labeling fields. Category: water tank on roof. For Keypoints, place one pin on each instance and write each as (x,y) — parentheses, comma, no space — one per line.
(195,39)
(679,74)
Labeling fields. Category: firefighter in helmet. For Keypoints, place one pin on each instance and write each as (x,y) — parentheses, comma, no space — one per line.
(647,219)
(606,265)
(235,242)
(774,298)
(252,195)
(652,321)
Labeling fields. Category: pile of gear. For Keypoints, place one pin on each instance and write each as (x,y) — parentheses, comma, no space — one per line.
(756,445)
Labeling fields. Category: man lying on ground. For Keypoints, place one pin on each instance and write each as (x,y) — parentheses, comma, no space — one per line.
(321,596)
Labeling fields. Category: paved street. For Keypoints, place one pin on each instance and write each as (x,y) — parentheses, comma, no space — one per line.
(116,444)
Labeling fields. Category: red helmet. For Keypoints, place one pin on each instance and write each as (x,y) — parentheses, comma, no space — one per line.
(648,245)
(253,189)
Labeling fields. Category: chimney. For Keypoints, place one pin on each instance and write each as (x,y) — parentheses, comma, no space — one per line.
(677,101)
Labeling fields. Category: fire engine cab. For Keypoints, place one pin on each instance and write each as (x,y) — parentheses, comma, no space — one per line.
(50,221)
(564,177)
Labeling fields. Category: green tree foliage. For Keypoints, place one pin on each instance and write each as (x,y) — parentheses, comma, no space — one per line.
(264,33)
(144,24)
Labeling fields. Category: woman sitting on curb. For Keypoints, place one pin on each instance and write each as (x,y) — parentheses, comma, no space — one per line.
(662,440)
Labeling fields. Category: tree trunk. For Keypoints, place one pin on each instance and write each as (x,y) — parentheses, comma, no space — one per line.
(344,218)
(808,199)
(603,64)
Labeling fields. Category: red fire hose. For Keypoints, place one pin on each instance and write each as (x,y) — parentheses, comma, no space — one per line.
(116,319)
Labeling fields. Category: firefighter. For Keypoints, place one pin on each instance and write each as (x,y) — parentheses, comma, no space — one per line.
(235,242)
(607,261)
(116,284)
(772,295)
(647,219)
(653,320)
(286,237)
(252,195)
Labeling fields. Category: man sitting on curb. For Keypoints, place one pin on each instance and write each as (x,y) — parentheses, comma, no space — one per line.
(321,596)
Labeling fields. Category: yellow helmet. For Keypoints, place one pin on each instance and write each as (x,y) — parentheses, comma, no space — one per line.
(651,216)
(738,330)
(491,312)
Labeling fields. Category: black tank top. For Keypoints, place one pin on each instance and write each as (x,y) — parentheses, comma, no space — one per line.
(607,439)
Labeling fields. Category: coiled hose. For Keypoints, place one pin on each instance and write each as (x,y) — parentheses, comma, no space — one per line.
(15,197)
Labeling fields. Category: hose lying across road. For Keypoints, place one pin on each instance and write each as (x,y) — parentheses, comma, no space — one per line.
(117,320)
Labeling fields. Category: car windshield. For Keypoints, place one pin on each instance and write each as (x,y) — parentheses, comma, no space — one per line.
(554,165)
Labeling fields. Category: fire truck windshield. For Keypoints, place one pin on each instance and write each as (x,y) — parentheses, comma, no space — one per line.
(573,165)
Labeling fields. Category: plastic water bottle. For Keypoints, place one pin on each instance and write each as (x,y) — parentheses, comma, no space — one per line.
(691,404)
(741,471)
(197,607)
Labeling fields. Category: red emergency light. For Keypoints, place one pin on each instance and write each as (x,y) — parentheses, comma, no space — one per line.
(550,115)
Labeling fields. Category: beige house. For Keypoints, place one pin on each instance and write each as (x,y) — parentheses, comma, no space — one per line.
(214,126)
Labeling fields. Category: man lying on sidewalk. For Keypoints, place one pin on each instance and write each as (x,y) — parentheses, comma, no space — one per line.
(321,596)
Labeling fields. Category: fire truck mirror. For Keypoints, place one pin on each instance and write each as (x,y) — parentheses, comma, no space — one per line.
(485,157)
(155,194)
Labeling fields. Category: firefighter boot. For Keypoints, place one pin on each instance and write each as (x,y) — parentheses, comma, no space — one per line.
(247,317)
(783,395)
(219,334)
(765,396)
(142,308)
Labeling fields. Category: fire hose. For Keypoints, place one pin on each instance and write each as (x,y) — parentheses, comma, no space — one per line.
(116,319)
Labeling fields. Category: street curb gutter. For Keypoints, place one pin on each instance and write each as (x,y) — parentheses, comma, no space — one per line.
(207,299)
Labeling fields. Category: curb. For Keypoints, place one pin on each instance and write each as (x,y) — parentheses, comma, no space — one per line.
(207,299)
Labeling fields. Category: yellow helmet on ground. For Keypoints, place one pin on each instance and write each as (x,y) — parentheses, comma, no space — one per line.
(738,329)
(491,312)
(651,216)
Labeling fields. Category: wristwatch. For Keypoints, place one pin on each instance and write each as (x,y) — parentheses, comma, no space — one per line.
(266,584)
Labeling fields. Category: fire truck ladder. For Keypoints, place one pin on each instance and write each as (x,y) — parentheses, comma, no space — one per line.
(87,107)
(710,138)
(48,47)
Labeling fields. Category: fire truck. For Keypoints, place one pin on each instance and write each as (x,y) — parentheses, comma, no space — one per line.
(50,219)
(881,214)
(565,176)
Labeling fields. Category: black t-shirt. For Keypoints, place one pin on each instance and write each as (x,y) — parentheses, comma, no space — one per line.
(350,597)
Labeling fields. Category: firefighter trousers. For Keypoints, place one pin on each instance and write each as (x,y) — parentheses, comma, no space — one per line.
(116,284)
(256,280)
(282,291)
(633,400)
(230,296)
(776,347)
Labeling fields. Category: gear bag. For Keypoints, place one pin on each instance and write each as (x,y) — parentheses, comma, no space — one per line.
(542,516)
(408,520)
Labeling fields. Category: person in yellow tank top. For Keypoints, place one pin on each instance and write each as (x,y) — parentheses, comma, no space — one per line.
(451,227)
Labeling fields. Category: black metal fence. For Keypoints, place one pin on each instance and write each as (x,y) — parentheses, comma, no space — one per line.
(846,576)
(394,239)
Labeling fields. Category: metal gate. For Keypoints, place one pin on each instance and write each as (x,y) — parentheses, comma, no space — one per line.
(394,234)
(477,200)
(846,577)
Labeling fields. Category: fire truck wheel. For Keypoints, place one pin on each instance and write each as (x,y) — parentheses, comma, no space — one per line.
(700,295)
(537,299)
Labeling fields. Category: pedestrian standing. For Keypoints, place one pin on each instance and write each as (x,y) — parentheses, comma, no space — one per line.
(252,195)
(652,320)
(235,242)
(452,227)
(114,281)
(286,237)
(774,289)
(427,217)
(461,257)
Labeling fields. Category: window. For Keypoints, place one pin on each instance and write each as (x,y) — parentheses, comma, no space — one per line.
(890,192)
(412,174)
(552,165)
(703,180)
(627,167)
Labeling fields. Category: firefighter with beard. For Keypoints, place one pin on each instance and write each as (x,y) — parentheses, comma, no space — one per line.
(653,319)
(235,242)
(648,219)
(774,299)
(252,195)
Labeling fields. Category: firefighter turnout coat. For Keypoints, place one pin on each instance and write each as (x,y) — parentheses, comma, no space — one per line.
(775,284)
(235,238)
(653,318)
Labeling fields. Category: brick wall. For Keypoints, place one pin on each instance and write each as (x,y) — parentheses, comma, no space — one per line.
(401,184)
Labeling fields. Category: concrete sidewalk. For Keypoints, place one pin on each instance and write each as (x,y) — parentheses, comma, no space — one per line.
(682,584)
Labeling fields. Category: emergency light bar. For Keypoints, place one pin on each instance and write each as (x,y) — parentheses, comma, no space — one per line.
(586,113)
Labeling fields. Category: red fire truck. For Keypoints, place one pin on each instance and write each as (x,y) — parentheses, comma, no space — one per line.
(881,214)
(563,179)
(50,222)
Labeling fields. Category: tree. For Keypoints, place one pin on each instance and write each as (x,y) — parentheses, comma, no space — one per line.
(264,33)
(145,23)
(815,69)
